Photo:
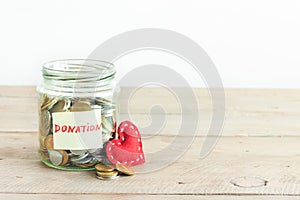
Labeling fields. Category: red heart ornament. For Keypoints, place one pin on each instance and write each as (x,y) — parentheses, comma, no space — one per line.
(127,149)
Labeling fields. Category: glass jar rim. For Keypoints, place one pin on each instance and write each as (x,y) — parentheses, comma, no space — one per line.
(77,76)
(77,69)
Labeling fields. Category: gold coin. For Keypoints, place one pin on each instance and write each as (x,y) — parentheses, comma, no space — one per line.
(104,168)
(65,157)
(125,169)
(58,107)
(80,106)
(107,174)
(42,144)
(86,165)
(43,100)
(48,105)
(48,142)
(44,123)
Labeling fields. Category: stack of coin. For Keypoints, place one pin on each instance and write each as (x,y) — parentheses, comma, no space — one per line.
(108,172)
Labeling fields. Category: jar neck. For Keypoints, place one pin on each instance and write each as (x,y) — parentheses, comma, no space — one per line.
(78,77)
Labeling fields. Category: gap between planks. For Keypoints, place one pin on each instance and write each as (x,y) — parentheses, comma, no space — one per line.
(136,197)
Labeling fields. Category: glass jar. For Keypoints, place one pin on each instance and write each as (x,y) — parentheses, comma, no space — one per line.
(77,115)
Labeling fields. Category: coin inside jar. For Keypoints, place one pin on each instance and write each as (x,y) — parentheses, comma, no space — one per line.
(42,144)
(85,160)
(86,165)
(48,105)
(59,157)
(59,106)
(78,152)
(80,106)
(48,142)
(45,120)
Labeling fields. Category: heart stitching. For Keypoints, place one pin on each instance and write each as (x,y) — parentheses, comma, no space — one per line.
(127,149)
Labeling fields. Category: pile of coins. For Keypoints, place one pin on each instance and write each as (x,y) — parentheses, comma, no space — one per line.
(73,159)
(108,172)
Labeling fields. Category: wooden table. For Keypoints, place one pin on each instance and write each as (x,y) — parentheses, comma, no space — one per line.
(259,144)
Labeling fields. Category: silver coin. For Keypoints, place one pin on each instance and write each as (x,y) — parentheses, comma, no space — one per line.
(99,158)
(95,107)
(107,178)
(108,123)
(95,151)
(98,154)
(67,106)
(92,151)
(45,120)
(78,152)
(85,160)
(80,157)
(55,157)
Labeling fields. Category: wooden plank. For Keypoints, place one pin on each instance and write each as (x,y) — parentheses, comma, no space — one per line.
(250,101)
(134,197)
(234,167)
(249,112)
(17,91)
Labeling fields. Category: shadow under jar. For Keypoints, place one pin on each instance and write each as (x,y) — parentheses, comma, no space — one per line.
(77,115)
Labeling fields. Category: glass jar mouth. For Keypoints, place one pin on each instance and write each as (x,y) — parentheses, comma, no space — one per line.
(78,75)
(78,70)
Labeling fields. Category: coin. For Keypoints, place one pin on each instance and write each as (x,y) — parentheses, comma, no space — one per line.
(43,99)
(44,124)
(48,142)
(42,144)
(107,178)
(83,160)
(104,168)
(107,174)
(78,152)
(93,151)
(58,107)
(80,158)
(103,101)
(80,106)
(125,169)
(48,105)
(108,123)
(87,165)
(59,157)
(65,157)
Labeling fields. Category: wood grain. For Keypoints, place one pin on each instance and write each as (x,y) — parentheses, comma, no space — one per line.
(273,159)
(135,197)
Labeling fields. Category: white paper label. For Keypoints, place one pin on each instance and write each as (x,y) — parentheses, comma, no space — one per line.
(77,130)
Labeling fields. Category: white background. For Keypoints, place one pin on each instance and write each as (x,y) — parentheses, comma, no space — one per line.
(253,43)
